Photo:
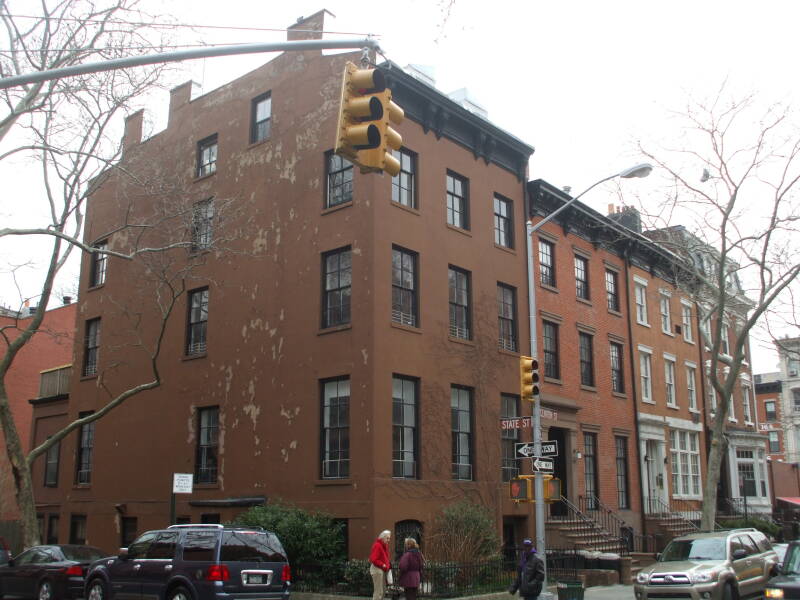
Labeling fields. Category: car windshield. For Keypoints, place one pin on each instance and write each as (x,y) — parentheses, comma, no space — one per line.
(82,553)
(251,546)
(701,549)
(791,564)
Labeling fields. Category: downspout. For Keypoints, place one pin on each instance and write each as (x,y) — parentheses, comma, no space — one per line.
(634,393)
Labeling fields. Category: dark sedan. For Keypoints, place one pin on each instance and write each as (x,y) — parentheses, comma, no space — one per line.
(47,572)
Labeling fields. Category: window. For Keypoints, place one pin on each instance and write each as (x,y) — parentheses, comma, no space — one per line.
(260,118)
(207,156)
(202,225)
(724,348)
(336,429)
(691,387)
(590,469)
(507,316)
(404,427)
(582,277)
(793,365)
(712,394)
(751,477)
(547,263)
(685,463)
(503,222)
(612,290)
(206,460)
(336,282)
(52,529)
(666,322)
(404,286)
(796,400)
(403,182)
(640,296)
(99,264)
(51,465)
(197,329)
(645,374)
(617,380)
(621,447)
(686,318)
(83,464)
(77,529)
(669,381)
(509,409)
(163,547)
(586,358)
(552,368)
(769,410)
(748,415)
(460,317)
(340,180)
(774,442)
(91,347)
(127,531)
(457,201)
(461,424)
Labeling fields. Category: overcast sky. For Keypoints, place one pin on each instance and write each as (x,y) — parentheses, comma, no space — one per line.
(579,80)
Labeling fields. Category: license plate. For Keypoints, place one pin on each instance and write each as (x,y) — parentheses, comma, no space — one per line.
(255,578)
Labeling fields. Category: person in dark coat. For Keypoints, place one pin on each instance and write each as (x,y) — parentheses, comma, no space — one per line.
(411,564)
(530,573)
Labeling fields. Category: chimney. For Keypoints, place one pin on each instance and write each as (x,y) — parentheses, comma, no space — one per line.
(133,130)
(67,300)
(628,217)
(308,28)
(181,95)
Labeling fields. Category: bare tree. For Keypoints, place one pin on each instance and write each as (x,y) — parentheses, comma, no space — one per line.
(70,128)
(732,180)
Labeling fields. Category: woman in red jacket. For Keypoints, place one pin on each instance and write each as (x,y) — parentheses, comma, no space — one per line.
(379,564)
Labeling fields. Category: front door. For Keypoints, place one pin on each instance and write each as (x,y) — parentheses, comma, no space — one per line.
(558,434)
(654,476)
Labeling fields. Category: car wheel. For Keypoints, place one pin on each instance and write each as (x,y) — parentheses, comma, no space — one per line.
(97,590)
(45,590)
(728,593)
(179,593)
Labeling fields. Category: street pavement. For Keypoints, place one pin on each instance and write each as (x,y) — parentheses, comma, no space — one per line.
(609,592)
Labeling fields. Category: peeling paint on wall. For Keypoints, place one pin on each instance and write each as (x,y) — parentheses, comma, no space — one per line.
(365,354)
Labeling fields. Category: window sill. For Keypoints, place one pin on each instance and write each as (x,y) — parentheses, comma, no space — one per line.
(186,357)
(616,313)
(583,300)
(505,249)
(549,288)
(206,176)
(669,333)
(458,229)
(92,288)
(207,486)
(554,380)
(589,388)
(621,395)
(673,406)
(694,410)
(689,341)
(81,486)
(409,328)
(686,497)
(330,209)
(458,340)
(646,401)
(643,324)
(334,329)
(507,352)
(332,481)
(257,144)
(88,377)
(411,209)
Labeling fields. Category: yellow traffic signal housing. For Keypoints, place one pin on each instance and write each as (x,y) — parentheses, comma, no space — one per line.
(552,490)
(528,378)
(363,133)
(521,488)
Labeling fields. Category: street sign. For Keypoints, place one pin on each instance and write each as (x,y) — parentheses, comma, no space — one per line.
(549,448)
(542,465)
(525,422)
(182,483)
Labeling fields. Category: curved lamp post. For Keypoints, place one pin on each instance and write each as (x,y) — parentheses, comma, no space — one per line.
(641,170)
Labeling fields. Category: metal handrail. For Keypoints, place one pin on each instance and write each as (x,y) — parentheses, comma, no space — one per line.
(665,509)
(635,542)
(594,533)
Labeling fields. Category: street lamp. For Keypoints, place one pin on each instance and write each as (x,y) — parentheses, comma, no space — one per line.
(641,170)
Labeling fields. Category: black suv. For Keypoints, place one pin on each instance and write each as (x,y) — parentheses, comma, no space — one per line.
(194,562)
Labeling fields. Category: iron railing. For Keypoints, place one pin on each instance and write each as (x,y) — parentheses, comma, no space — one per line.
(609,521)
(588,532)
(656,507)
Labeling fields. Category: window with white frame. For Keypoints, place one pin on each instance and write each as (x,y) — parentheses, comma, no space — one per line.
(666,322)
(646,376)
(691,386)
(751,476)
(685,454)
(640,296)
(705,327)
(724,347)
(769,411)
(774,442)
(712,394)
(796,400)
(748,415)
(686,318)
(731,408)
(669,380)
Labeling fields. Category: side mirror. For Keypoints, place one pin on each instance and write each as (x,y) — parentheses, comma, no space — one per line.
(658,556)
(778,568)
(123,554)
(739,553)
(10,562)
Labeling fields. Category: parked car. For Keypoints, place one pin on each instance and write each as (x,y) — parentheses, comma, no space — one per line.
(780,550)
(194,562)
(5,553)
(787,582)
(48,572)
(719,565)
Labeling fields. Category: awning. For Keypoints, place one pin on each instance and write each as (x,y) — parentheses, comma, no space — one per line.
(790,500)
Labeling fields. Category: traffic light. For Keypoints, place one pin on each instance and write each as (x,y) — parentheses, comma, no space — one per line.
(528,378)
(552,490)
(364,135)
(522,488)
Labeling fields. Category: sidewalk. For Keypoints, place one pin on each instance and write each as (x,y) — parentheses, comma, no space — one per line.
(609,592)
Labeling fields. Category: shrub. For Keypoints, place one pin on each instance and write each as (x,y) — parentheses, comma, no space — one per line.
(768,528)
(463,533)
(310,538)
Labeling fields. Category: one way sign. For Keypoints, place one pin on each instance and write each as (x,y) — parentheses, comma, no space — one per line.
(526,449)
(543,464)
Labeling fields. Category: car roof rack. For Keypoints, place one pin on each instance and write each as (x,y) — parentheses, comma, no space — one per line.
(197,526)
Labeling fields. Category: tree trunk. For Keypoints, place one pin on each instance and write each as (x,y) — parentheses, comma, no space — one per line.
(719,446)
